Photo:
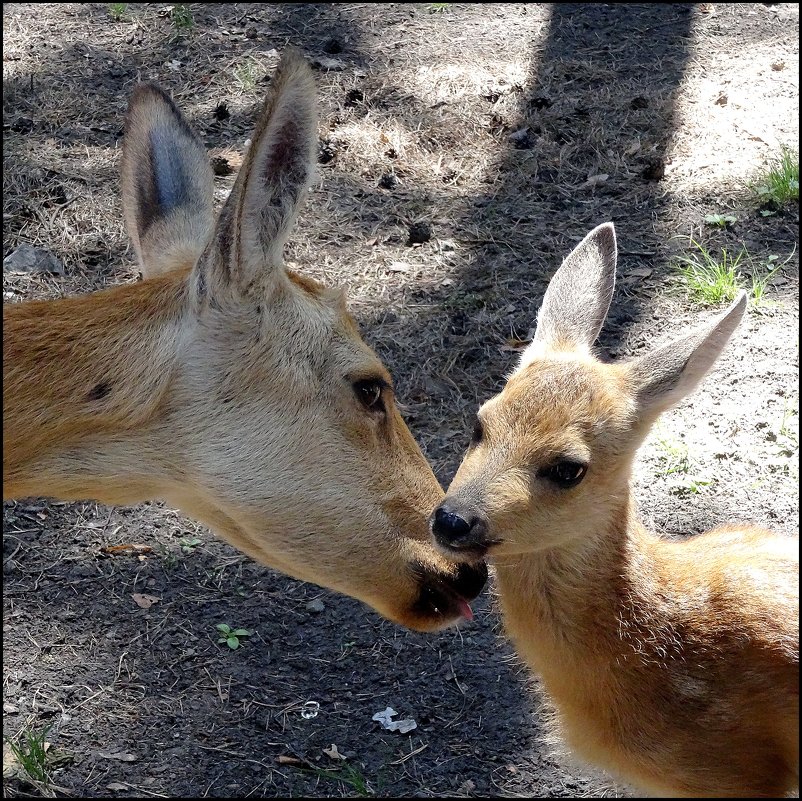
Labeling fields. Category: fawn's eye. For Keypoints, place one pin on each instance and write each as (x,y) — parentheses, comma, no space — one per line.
(369,393)
(565,473)
(478,432)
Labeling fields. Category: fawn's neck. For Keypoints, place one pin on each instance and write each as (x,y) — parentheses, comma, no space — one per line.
(82,379)
(570,609)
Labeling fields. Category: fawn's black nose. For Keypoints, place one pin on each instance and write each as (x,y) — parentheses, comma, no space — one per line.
(459,531)
(449,525)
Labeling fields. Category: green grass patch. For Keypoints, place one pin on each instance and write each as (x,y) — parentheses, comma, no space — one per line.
(714,278)
(779,183)
(676,463)
(31,752)
(760,278)
(711,278)
(117,10)
(181,16)
(349,775)
(673,455)
(761,273)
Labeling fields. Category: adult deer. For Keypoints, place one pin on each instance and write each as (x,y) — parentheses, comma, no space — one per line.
(673,664)
(232,388)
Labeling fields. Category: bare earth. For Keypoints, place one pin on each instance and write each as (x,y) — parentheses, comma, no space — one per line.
(509,131)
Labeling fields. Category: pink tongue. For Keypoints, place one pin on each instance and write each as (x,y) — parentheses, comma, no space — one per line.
(466,610)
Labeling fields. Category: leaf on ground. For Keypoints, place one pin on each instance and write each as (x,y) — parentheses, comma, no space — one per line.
(144,601)
(333,752)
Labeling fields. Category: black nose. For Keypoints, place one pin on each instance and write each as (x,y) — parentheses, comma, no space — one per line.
(449,525)
(452,530)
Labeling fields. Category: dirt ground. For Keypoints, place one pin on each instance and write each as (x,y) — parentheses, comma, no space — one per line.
(506,130)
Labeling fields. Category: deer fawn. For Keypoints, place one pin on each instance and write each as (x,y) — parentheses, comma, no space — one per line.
(232,388)
(673,664)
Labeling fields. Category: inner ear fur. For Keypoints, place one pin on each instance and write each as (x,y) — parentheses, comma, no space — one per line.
(247,249)
(666,375)
(578,296)
(167,184)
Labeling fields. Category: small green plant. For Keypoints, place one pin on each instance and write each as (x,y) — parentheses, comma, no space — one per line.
(31,753)
(711,279)
(779,184)
(117,10)
(674,455)
(789,412)
(720,220)
(168,556)
(677,462)
(346,649)
(188,544)
(231,637)
(760,279)
(787,434)
(437,8)
(692,485)
(761,275)
(181,15)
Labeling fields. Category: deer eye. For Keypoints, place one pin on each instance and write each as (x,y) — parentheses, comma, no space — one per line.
(565,473)
(369,393)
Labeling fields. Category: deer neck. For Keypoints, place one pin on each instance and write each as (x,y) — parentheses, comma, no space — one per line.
(570,609)
(83,380)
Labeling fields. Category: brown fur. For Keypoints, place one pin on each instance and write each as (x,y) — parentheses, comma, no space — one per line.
(673,664)
(225,384)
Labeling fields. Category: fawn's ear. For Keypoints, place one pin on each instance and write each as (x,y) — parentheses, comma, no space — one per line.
(577,297)
(247,252)
(662,378)
(166,184)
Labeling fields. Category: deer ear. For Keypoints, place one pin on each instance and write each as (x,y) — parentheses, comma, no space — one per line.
(260,211)
(662,378)
(578,296)
(166,184)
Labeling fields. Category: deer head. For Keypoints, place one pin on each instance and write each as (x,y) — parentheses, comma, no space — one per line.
(233,388)
(551,455)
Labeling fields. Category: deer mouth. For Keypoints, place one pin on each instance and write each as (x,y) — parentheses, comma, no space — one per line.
(447,598)
(468,553)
